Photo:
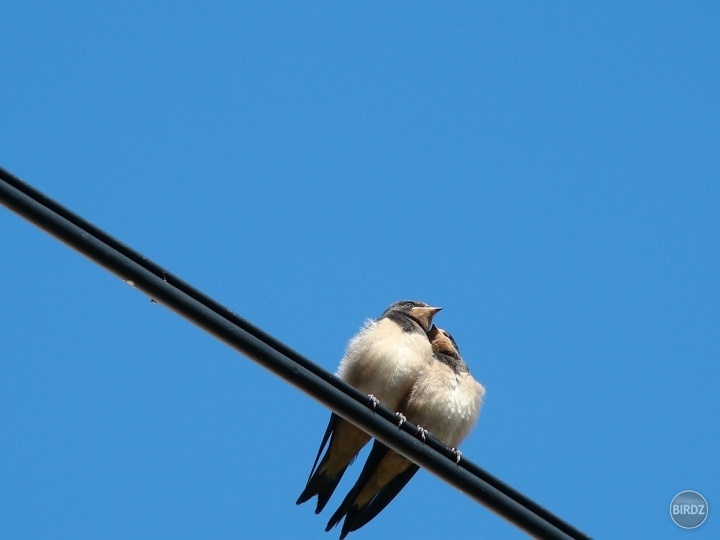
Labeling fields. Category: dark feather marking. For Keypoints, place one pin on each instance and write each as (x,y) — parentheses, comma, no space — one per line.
(318,484)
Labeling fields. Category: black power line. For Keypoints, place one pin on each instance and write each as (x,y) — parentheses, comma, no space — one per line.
(164,287)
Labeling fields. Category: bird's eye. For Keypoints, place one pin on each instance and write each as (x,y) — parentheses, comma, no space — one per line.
(409,305)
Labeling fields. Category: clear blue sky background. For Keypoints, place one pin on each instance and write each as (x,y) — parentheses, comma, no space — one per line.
(550,174)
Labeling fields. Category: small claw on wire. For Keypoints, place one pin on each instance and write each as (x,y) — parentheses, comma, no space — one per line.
(401,418)
(374,402)
(458,454)
(422,433)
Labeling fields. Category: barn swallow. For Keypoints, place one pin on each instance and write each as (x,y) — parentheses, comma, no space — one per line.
(383,361)
(445,400)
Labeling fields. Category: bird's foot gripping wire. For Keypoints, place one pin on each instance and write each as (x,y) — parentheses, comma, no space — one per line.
(458,454)
(422,433)
(374,402)
(401,418)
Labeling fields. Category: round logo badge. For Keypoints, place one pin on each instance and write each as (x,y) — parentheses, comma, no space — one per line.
(689,509)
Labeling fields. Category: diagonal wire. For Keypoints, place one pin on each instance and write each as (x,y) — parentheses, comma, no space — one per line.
(198,308)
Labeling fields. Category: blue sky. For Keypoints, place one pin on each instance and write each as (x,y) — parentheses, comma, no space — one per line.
(549,174)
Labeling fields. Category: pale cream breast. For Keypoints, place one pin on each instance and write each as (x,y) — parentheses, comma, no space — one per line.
(445,403)
(384,360)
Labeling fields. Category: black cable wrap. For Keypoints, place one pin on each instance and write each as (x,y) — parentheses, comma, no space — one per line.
(198,308)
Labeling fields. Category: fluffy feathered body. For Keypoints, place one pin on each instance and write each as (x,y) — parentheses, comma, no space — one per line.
(445,400)
(382,360)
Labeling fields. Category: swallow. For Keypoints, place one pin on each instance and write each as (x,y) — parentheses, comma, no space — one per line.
(382,360)
(445,401)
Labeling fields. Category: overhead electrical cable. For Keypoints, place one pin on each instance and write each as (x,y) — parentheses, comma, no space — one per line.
(198,308)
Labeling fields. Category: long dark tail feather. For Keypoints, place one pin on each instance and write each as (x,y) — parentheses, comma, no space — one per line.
(374,458)
(334,418)
(310,489)
(362,516)
(326,487)
(320,484)
(341,511)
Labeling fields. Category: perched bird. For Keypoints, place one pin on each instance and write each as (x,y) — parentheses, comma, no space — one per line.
(444,401)
(383,361)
